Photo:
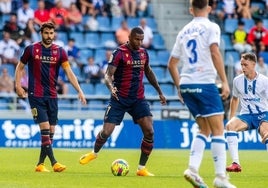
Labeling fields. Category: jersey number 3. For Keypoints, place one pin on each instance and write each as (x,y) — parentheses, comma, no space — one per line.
(191,45)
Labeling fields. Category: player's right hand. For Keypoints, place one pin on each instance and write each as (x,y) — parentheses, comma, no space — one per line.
(21,92)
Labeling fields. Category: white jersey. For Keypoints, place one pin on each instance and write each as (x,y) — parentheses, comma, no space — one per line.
(192,47)
(253,94)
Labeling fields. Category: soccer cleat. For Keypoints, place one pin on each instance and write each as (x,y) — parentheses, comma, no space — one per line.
(86,158)
(234,167)
(41,168)
(194,179)
(57,167)
(220,182)
(144,172)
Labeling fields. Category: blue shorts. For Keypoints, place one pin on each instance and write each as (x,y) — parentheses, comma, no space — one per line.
(253,121)
(202,99)
(44,109)
(116,110)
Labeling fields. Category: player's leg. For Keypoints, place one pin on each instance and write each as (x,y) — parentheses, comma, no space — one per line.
(113,116)
(142,115)
(232,128)
(146,144)
(52,111)
(263,130)
(196,153)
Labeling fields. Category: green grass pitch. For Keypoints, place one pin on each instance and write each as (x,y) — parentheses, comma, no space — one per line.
(17,169)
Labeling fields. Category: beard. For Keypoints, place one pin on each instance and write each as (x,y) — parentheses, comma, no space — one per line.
(47,41)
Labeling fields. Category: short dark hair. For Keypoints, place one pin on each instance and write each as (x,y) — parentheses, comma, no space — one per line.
(48,25)
(250,56)
(136,30)
(200,4)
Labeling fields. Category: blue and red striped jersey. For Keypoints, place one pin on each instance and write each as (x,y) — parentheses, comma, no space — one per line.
(128,77)
(43,68)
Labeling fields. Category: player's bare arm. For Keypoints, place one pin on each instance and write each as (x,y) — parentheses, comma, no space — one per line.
(108,79)
(219,65)
(233,106)
(18,75)
(152,80)
(174,72)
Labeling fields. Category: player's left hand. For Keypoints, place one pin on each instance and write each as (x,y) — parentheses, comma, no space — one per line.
(82,98)
(163,100)
(225,91)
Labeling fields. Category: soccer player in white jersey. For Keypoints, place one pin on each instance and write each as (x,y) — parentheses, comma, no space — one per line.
(251,90)
(197,48)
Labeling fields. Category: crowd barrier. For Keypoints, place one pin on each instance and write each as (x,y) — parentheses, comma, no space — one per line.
(81,133)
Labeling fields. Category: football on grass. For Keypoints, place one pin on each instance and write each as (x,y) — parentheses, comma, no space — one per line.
(120,167)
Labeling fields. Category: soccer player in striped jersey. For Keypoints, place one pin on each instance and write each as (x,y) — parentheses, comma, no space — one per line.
(124,77)
(197,49)
(250,89)
(44,60)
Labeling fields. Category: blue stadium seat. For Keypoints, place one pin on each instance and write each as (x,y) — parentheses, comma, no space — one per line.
(152,23)
(149,90)
(88,88)
(162,57)
(104,24)
(79,39)
(107,40)
(61,35)
(101,89)
(249,23)
(159,72)
(227,42)
(153,58)
(158,42)
(265,56)
(116,22)
(92,40)
(96,105)
(231,57)
(64,104)
(71,89)
(230,25)
(99,55)
(265,23)
(133,22)
(84,55)
(10,68)
(168,89)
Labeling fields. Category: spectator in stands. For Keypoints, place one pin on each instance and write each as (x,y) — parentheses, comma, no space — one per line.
(142,8)
(229,9)
(41,14)
(122,33)
(258,37)
(243,9)
(24,14)
(216,14)
(11,26)
(261,66)
(148,34)
(30,34)
(92,71)
(6,83)
(73,53)
(129,7)
(74,17)
(59,16)
(67,3)
(9,50)
(5,6)
(239,39)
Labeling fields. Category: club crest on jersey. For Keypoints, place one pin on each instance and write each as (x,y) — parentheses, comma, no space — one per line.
(54,52)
